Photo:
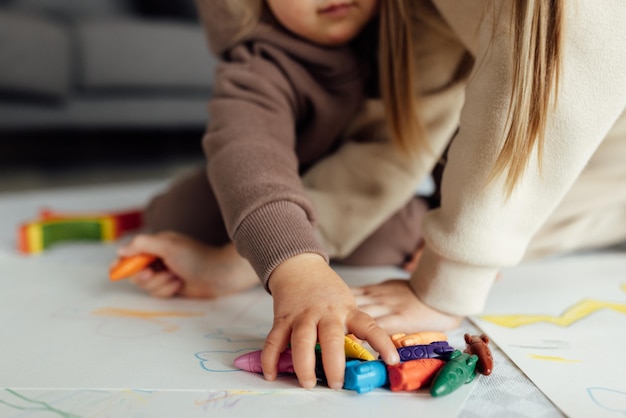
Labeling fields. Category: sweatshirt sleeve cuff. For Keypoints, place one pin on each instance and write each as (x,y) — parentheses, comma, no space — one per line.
(273,234)
(452,287)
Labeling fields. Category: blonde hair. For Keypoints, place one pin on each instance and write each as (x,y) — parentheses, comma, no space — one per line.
(397,76)
(246,12)
(537,31)
(537,27)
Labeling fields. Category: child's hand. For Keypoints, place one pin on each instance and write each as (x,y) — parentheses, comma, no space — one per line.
(192,269)
(397,309)
(311,304)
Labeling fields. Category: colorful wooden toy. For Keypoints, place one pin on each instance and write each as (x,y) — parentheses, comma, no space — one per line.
(53,227)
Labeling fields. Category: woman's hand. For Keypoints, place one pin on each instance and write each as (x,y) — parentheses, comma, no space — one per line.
(192,269)
(397,309)
(311,304)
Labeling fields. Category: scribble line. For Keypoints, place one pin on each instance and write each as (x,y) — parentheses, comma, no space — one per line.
(608,399)
(150,316)
(553,358)
(574,313)
(37,405)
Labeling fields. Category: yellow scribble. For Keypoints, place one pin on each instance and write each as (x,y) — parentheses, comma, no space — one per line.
(553,358)
(574,313)
(150,316)
(221,395)
(624,287)
(135,396)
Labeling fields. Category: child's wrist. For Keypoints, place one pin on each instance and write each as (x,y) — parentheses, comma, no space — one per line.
(293,267)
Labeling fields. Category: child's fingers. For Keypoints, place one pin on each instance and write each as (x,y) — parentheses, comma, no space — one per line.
(168,289)
(303,340)
(157,281)
(160,245)
(375,310)
(162,284)
(143,276)
(332,342)
(366,328)
(275,343)
(357,291)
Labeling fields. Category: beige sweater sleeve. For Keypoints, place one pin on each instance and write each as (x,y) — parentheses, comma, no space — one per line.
(359,187)
(477,231)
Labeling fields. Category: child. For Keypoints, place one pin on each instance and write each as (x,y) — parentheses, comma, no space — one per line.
(281,105)
(538,70)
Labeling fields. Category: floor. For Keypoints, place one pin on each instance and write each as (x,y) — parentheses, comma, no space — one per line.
(78,168)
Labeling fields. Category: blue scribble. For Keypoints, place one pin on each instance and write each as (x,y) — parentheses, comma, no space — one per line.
(608,399)
(212,363)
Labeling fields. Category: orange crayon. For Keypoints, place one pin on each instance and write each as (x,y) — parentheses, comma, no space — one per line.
(417,338)
(413,374)
(128,266)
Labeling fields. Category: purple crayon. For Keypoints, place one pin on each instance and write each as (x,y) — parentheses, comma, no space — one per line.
(435,349)
(251,362)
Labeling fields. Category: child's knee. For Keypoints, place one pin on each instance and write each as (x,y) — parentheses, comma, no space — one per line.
(395,241)
(189,207)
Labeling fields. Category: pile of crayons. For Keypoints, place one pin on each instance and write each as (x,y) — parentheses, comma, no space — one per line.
(426,360)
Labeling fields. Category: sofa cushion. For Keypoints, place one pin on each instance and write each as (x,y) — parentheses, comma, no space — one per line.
(34,57)
(143,55)
(71,9)
(168,9)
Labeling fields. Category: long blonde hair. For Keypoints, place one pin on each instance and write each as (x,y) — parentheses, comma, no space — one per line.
(397,76)
(537,29)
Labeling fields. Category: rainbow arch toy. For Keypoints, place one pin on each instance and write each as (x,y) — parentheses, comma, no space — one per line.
(53,227)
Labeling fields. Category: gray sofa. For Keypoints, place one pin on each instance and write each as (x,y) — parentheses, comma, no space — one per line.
(101,64)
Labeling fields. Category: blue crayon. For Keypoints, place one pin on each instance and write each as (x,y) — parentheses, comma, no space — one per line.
(364,376)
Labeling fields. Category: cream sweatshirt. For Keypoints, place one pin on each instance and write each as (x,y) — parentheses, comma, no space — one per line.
(476,231)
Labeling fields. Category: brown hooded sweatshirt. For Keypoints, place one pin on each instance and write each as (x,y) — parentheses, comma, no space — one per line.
(280,104)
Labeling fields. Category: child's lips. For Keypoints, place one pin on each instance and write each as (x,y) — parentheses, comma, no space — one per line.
(336,9)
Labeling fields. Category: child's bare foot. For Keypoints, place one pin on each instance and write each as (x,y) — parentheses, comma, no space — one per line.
(192,269)
(397,309)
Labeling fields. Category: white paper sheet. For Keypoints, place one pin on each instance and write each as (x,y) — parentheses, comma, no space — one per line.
(563,322)
(75,344)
